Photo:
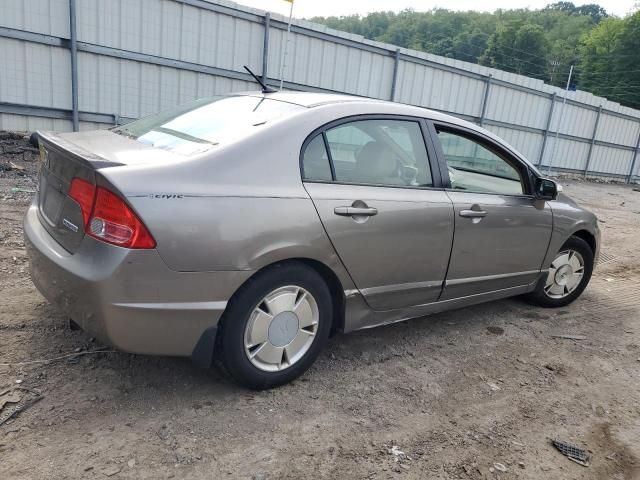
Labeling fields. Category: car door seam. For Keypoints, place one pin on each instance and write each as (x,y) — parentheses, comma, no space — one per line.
(453,239)
(335,250)
(553,221)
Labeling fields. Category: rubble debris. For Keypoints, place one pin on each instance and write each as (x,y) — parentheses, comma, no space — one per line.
(500,467)
(16,400)
(110,471)
(573,452)
(395,451)
(570,337)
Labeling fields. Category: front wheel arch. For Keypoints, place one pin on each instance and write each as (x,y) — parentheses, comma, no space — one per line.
(588,237)
(538,296)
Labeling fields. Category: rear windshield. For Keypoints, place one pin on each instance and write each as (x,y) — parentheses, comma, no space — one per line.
(205,123)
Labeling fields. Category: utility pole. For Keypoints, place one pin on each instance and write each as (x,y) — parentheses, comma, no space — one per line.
(283,62)
(554,64)
(564,103)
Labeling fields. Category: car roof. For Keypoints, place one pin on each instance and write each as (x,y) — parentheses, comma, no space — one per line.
(317,99)
(313,99)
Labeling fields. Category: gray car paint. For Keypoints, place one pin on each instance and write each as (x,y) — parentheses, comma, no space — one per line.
(128,298)
(223,215)
(511,240)
(410,240)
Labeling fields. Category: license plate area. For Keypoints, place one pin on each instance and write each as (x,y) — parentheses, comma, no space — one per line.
(51,197)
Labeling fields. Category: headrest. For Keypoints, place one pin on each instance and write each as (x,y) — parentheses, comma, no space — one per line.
(376,161)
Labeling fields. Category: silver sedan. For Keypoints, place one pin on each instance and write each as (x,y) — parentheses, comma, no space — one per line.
(251,227)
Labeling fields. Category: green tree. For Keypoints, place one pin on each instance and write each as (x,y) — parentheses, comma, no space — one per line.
(599,57)
(568,7)
(564,35)
(596,12)
(622,81)
(519,48)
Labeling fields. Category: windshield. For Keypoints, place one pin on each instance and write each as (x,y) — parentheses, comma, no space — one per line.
(205,123)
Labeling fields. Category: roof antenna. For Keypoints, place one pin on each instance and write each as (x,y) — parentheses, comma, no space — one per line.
(265,89)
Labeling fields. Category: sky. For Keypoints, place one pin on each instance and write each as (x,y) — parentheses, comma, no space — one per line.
(311,8)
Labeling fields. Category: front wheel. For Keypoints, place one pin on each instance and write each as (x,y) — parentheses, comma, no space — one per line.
(569,274)
(276,325)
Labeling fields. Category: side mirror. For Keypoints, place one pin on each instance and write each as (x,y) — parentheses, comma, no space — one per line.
(547,189)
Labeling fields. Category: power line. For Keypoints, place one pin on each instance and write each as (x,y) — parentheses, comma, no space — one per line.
(457,50)
(613,72)
(484,46)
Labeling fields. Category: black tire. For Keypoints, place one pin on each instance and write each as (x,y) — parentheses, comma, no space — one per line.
(34,139)
(238,313)
(540,298)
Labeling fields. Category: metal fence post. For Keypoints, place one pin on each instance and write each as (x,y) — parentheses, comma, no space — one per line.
(546,129)
(265,47)
(73,47)
(485,99)
(635,157)
(394,81)
(593,140)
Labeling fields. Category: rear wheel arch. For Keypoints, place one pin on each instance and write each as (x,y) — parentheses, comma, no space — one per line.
(233,345)
(336,289)
(327,274)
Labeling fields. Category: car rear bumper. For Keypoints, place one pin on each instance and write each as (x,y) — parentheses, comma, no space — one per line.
(126,298)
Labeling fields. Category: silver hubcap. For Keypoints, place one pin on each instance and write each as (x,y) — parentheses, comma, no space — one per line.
(281,328)
(565,273)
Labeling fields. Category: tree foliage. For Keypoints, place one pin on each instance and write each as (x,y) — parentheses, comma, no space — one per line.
(517,47)
(610,60)
(538,43)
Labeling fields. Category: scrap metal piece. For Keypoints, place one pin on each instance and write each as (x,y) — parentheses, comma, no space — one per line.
(573,452)
(570,337)
(16,400)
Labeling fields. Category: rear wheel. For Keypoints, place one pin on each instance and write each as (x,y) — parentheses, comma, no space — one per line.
(569,274)
(276,325)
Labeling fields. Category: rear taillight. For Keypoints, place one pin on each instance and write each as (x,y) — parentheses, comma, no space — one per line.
(84,193)
(108,218)
(114,222)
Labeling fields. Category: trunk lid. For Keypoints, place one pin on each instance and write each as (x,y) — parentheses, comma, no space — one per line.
(68,155)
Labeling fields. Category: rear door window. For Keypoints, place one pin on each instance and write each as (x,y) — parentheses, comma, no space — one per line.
(315,162)
(379,152)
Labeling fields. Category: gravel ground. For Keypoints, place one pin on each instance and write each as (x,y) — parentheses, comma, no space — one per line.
(474,393)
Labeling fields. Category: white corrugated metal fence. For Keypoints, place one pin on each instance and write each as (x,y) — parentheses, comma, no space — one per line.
(136,57)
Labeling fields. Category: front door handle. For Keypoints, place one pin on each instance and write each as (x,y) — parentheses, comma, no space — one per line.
(355,211)
(473,213)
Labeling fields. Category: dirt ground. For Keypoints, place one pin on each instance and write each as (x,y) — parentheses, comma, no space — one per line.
(474,393)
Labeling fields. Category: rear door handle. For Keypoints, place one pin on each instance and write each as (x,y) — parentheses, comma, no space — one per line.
(473,213)
(355,211)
